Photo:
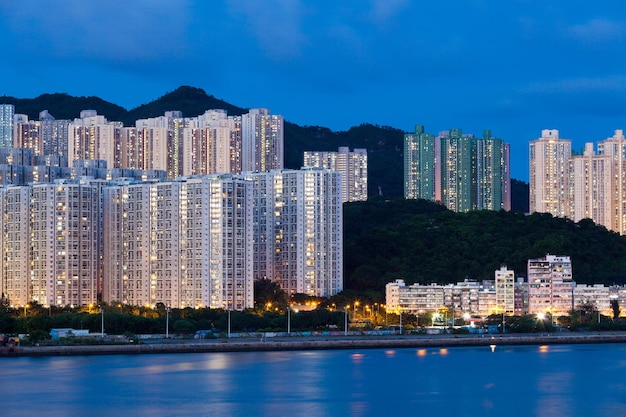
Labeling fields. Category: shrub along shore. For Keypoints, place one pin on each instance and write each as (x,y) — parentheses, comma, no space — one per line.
(318,343)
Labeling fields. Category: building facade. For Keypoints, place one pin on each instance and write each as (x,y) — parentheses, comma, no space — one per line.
(549,163)
(457,170)
(184,243)
(550,285)
(299,230)
(6,125)
(351,165)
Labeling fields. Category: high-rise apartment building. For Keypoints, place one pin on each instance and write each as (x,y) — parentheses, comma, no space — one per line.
(582,186)
(143,148)
(15,245)
(550,285)
(210,144)
(459,171)
(93,137)
(174,123)
(549,163)
(63,236)
(298,230)
(614,148)
(262,141)
(421,152)
(184,243)
(590,178)
(6,125)
(351,165)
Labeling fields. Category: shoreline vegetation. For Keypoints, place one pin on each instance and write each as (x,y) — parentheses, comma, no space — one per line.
(315,343)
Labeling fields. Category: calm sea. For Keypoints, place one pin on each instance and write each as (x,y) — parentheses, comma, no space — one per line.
(557,380)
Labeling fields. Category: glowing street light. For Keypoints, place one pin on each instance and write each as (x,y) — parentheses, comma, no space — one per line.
(434,318)
(345,331)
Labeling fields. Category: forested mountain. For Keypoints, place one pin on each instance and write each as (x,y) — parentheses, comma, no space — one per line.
(423,242)
(384,144)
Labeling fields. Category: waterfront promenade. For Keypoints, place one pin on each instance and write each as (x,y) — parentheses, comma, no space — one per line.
(319,343)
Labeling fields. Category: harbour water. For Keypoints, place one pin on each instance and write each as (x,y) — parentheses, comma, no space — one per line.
(554,380)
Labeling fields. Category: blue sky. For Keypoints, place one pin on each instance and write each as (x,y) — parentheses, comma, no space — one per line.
(515,67)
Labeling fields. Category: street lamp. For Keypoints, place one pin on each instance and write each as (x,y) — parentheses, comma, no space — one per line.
(288,320)
(25,307)
(167,323)
(434,318)
(345,331)
(102,328)
(229,324)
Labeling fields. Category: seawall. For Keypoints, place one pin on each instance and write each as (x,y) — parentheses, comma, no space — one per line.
(320,343)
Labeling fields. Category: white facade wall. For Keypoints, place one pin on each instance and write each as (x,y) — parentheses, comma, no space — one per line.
(299,220)
(93,137)
(351,165)
(550,285)
(262,141)
(15,245)
(505,291)
(186,243)
(65,243)
(549,162)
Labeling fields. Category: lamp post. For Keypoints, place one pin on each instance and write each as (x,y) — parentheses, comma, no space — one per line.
(229,324)
(102,322)
(167,323)
(400,320)
(288,320)
(25,307)
(120,306)
(345,331)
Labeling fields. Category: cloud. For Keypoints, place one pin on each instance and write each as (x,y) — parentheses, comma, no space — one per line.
(599,30)
(276,25)
(615,83)
(99,29)
(383,10)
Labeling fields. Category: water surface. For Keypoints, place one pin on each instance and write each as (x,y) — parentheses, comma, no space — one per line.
(556,380)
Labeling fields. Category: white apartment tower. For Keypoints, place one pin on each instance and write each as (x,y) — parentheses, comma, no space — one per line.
(549,164)
(185,243)
(65,250)
(590,181)
(93,137)
(262,141)
(505,291)
(298,230)
(351,165)
(143,148)
(14,245)
(174,123)
(211,143)
(614,148)
(550,285)
(6,125)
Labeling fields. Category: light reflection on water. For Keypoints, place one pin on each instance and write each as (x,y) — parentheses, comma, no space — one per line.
(555,380)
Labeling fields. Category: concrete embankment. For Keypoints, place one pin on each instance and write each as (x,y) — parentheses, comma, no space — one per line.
(246,345)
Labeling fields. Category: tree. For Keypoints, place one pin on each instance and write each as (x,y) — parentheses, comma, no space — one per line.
(615,308)
(184,326)
(266,291)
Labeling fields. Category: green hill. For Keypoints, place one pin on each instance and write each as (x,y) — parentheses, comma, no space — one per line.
(420,241)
